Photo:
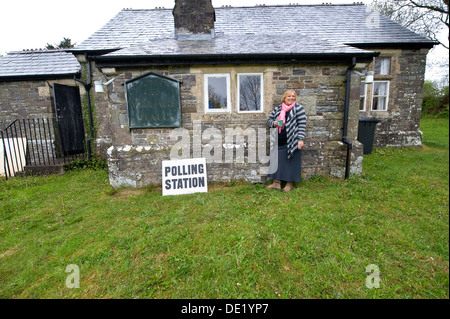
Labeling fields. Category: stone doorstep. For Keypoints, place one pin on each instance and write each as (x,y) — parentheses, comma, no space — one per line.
(44,169)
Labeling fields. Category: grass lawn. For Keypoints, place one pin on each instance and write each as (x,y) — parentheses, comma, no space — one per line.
(239,240)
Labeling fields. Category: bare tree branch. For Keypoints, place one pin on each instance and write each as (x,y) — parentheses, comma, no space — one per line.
(430,7)
(425,17)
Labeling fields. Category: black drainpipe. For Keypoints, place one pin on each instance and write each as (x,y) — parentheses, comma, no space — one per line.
(346,108)
(87,87)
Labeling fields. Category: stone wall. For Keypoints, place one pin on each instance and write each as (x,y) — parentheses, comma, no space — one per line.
(27,100)
(135,156)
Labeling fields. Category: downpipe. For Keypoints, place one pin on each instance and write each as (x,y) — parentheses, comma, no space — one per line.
(346,112)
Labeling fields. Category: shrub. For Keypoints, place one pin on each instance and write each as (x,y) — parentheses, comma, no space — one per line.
(435,100)
(94,164)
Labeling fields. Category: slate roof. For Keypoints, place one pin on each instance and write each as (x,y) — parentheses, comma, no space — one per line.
(302,29)
(242,45)
(38,64)
(260,30)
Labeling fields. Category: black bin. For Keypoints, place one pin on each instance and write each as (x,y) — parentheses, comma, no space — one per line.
(366,132)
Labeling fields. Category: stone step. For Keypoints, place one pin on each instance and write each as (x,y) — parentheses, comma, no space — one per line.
(44,169)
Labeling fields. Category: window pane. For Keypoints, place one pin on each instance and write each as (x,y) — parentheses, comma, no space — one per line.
(379,104)
(382,66)
(380,96)
(375,104)
(362,94)
(250,92)
(380,89)
(217,93)
(362,104)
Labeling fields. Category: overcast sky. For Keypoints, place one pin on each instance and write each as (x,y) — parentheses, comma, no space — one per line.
(31,24)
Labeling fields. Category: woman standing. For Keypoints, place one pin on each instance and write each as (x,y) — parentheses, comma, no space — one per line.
(290,118)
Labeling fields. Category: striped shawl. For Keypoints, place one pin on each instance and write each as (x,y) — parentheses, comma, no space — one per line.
(295,125)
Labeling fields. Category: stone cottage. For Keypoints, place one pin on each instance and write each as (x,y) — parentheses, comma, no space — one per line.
(31,137)
(198,81)
(26,79)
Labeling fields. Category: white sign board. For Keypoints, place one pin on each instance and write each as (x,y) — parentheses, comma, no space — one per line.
(184,176)
(16,149)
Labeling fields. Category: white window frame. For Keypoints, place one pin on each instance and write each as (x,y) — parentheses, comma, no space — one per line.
(387,95)
(238,93)
(206,96)
(363,96)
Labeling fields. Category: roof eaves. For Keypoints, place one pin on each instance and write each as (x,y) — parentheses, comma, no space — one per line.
(38,77)
(90,52)
(400,45)
(193,59)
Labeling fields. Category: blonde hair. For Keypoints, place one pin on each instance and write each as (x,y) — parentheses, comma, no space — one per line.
(286,94)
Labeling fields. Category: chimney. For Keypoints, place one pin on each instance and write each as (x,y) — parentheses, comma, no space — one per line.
(194,19)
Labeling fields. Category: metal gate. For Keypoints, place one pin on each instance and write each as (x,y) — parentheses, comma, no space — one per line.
(32,145)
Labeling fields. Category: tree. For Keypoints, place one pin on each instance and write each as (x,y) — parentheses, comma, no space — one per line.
(250,93)
(66,43)
(425,17)
(435,100)
(216,101)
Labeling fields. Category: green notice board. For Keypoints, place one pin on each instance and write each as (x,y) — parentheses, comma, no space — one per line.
(153,101)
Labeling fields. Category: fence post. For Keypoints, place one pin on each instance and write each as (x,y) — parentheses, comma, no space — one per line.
(5,157)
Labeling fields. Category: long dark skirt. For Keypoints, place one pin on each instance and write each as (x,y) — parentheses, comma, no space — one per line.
(288,170)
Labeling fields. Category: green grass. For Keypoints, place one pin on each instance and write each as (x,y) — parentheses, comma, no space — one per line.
(436,132)
(238,240)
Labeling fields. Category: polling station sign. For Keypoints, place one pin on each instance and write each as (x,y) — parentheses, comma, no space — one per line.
(184,176)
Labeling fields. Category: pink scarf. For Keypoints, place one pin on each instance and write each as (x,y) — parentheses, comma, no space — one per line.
(284,108)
